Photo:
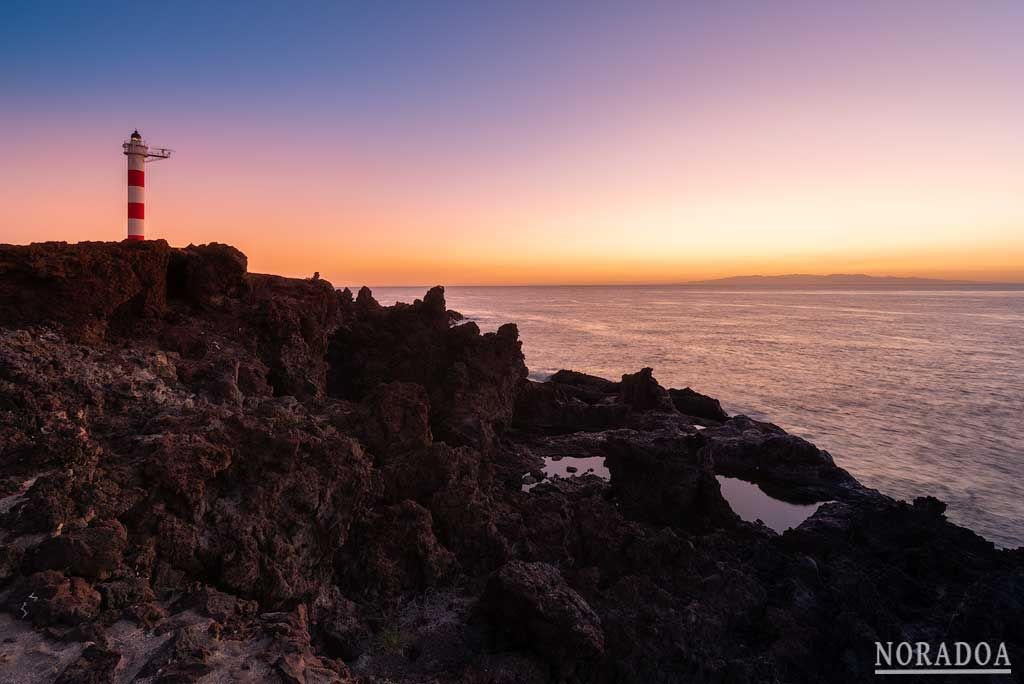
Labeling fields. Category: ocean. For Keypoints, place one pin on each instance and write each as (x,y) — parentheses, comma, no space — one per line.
(915,392)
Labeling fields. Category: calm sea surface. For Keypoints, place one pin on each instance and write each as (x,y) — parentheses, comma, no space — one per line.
(914,392)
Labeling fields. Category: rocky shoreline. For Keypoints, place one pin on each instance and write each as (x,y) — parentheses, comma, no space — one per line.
(210,475)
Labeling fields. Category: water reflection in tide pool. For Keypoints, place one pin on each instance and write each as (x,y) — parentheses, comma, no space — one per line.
(746,499)
(570,466)
(750,503)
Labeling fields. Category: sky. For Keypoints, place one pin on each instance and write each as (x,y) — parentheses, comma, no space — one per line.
(413,143)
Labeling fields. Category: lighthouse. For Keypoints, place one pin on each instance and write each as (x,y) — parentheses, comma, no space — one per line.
(138,154)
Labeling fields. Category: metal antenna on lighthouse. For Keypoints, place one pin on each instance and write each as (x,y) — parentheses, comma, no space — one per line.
(138,154)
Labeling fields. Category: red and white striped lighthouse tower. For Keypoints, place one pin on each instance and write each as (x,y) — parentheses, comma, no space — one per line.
(138,154)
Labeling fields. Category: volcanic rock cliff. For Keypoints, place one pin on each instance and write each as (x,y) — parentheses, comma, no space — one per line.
(210,475)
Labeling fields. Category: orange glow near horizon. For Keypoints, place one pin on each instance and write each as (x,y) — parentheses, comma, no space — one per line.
(860,147)
(564,220)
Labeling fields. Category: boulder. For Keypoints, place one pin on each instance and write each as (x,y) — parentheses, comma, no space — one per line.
(531,605)
(51,598)
(95,552)
(698,405)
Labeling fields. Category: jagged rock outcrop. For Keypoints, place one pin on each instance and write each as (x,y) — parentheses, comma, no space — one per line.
(643,393)
(471,379)
(212,475)
(205,275)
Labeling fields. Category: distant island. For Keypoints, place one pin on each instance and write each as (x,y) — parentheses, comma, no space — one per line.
(846,281)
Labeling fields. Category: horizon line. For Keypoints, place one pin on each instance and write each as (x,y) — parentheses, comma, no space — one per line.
(869,281)
(734,281)
(938,286)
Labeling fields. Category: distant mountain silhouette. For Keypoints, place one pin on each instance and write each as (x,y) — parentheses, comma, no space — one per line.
(846,281)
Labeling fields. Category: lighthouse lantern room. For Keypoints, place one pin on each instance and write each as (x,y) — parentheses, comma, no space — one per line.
(138,154)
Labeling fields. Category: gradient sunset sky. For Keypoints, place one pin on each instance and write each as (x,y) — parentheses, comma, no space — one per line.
(528,142)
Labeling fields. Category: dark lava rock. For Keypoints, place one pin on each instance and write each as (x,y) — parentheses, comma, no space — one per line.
(395,417)
(471,379)
(697,405)
(94,552)
(394,552)
(122,593)
(531,605)
(570,402)
(205,275)
(642,392)
(588,388)
(182,658)
(89,289)
(51,598)
(96,665)
(295,320)
(784,465)
(666,479)
(213,475)
(338,623)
